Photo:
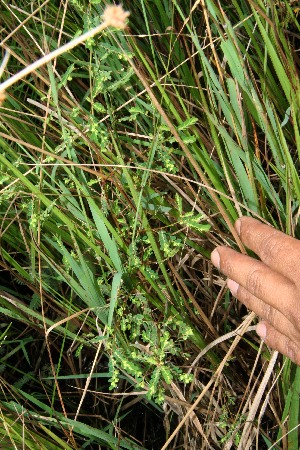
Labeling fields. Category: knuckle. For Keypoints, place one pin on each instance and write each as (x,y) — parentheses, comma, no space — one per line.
(294,317)
(269,314)
(297,355)
(254,282)
(270,247)
(292,350)
(227,266)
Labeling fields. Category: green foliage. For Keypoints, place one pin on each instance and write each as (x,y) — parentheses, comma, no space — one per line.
(122,165)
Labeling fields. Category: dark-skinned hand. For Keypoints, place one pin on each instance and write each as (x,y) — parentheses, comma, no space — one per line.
(269,287)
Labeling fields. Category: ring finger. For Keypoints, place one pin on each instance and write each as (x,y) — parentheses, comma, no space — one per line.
(264,311)
(259,280)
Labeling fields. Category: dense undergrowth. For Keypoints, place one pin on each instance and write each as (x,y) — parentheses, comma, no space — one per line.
(123,163)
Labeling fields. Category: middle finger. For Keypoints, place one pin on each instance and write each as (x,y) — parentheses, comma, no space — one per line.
(261,281)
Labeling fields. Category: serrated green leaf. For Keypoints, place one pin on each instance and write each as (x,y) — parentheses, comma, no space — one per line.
(167,375)
(188,123)
(194,222)
(189,139)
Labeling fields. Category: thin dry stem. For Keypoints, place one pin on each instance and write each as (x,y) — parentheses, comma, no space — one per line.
(256,402)
(21,24)
(214,379)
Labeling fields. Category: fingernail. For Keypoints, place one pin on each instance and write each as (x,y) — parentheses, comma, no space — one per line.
(215,258)
(232,286)
(261,330)
(238,226)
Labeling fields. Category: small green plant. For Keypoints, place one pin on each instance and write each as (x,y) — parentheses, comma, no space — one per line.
(232,426)
(124,161)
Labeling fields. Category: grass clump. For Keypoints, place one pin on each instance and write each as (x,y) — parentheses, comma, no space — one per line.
(124,162)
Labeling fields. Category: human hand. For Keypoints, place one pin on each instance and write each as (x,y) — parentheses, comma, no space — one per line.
(270,287)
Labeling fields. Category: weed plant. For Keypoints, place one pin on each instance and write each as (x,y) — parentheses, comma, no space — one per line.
(123,163)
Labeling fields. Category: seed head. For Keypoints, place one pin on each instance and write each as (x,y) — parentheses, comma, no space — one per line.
(115,16)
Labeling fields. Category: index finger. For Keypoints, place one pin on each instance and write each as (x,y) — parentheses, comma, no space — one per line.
(277,250)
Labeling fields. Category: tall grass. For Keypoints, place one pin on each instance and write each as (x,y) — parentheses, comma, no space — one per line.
(123,163)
